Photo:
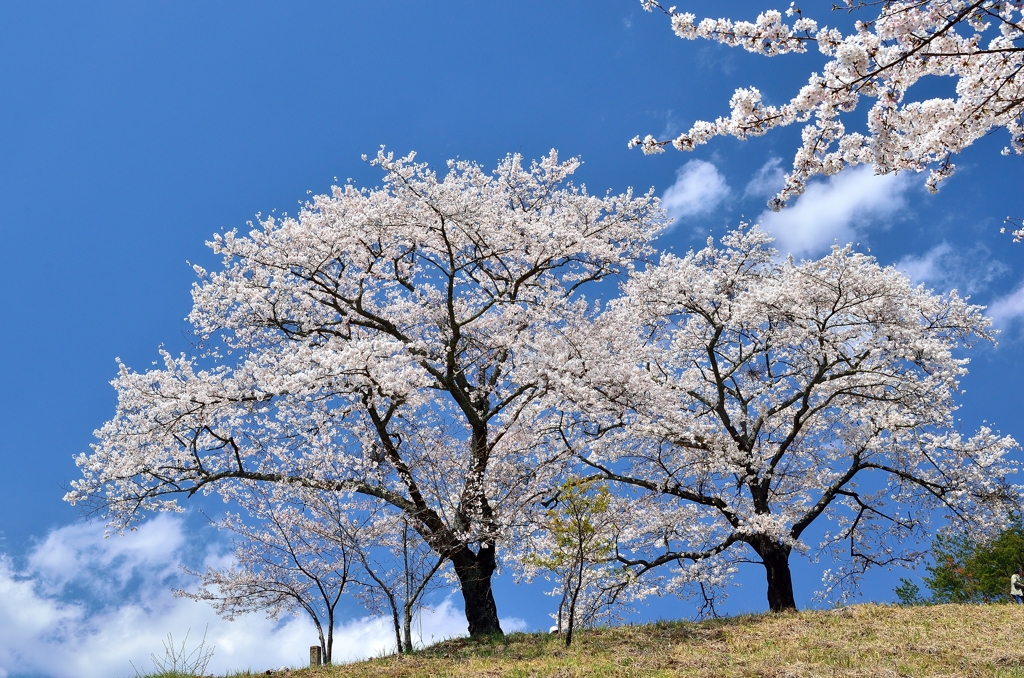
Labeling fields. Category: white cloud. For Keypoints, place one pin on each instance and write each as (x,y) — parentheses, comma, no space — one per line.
(767,180)
(79,554)
(925,268)
(835,210)
(45,631)
(1007,308)
(699,189)
(945,268)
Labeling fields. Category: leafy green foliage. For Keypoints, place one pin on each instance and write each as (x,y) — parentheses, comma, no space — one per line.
(579,553)
(966,570)
(909,593)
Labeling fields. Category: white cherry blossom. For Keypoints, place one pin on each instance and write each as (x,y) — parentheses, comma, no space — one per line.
(374,344)
(283,562)
(736,399)
(977,43)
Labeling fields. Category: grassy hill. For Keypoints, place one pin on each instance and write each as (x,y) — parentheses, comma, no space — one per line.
(863,640)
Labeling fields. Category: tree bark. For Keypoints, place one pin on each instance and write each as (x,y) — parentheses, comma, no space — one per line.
(407,627)
(474,571)
(775,558)
(330,637)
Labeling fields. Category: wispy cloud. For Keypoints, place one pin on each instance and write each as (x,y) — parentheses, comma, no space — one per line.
(49,628)
(699,189)
(673,125)
(838,209)
(767,180)
(1007,309)
(944,267)
(79,555)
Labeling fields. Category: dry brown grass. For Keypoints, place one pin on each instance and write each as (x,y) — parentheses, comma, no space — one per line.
(864,640)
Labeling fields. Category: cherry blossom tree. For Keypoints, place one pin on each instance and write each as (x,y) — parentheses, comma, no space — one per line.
(300,550)
(401,569)
(735,400)
(374,344)
(979,43)
(282,564)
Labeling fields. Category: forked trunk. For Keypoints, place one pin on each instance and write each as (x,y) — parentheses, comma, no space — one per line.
(474,571)
(775,557)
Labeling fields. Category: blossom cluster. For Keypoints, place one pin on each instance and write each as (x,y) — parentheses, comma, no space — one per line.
(979,43)
(377,345)
(736,399)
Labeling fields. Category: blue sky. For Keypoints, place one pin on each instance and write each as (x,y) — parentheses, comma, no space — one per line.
(130,131)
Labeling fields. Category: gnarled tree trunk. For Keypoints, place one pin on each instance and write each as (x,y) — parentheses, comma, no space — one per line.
(775,557)
(474,571)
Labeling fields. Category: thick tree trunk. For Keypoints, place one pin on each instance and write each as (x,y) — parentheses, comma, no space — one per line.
(775,557)
(474,571)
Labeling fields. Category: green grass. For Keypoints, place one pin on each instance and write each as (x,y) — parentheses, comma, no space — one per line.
(248,673)
(865,640)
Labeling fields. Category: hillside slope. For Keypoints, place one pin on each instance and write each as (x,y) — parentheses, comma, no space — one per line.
(863,640)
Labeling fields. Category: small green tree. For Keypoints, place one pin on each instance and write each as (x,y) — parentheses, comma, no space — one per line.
(909,594)
(967,570)
(577,549)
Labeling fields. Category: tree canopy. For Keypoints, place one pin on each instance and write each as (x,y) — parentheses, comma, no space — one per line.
(377,343)
(735,399)
(426,348)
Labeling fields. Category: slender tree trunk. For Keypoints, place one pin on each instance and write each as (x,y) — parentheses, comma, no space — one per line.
(320,634)
(330,637)
(399,647)
(577,586)
(407,581)
(474,571)
(775,557)
(562,605)
(407,626)
(394,612)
